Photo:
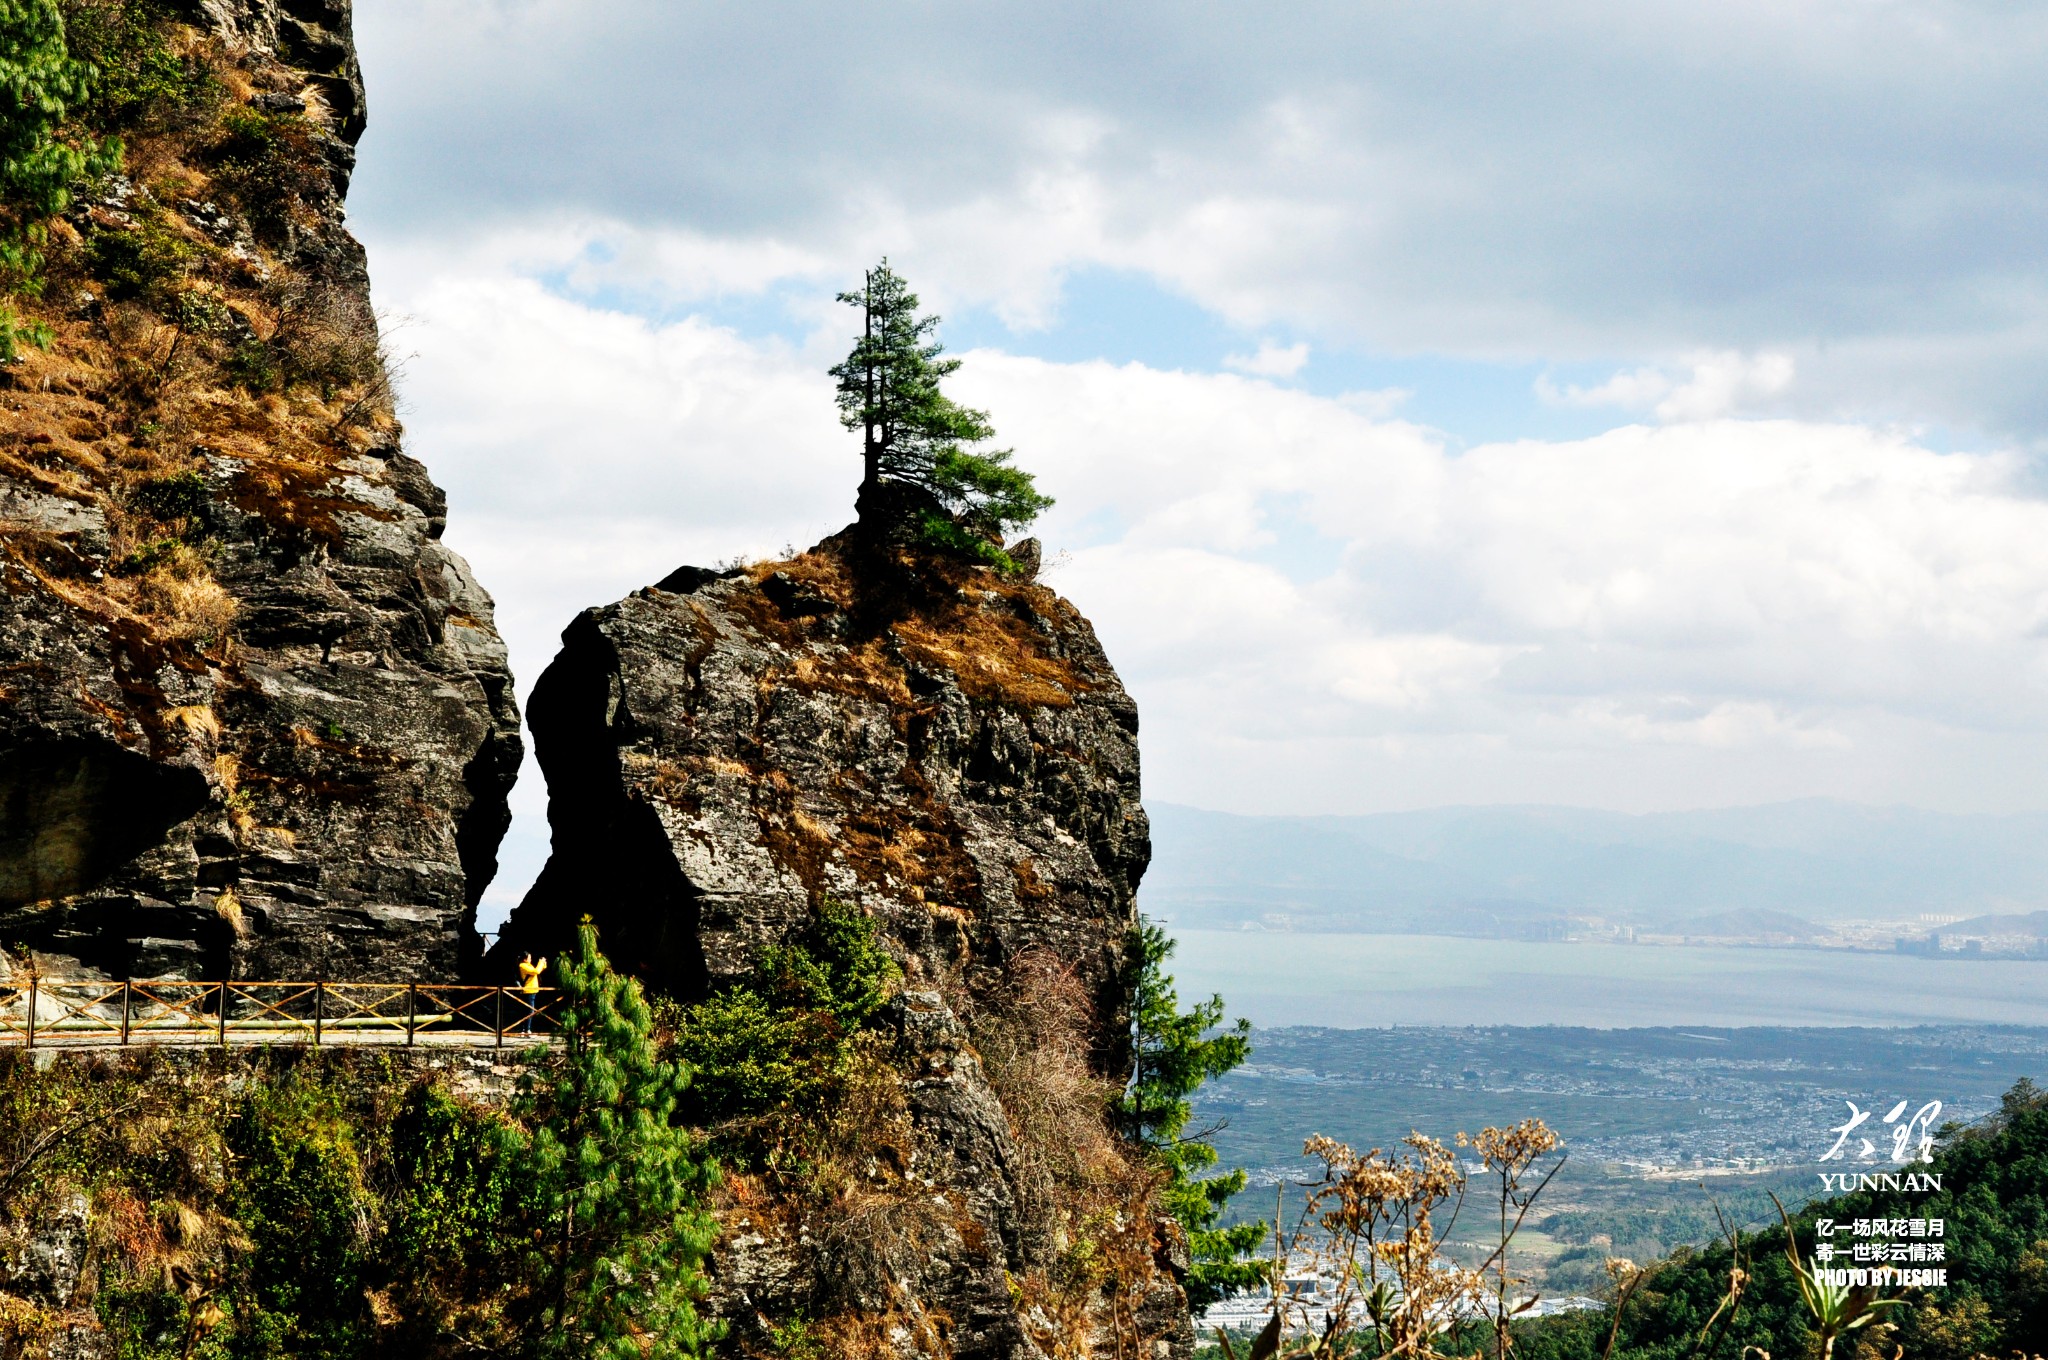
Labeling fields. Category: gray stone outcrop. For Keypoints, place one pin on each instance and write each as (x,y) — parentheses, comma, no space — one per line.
(946,748)
(322,795)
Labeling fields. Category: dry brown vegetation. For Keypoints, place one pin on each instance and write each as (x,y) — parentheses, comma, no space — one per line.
(901,838)
(1084,1198)
(1376,1223)
(967,622)
(971,625)
(180,340)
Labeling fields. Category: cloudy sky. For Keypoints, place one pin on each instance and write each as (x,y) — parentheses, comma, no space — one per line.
(1628,405)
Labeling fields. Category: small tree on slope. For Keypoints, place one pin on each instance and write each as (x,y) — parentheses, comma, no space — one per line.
(1170,1059)
(618,1188)
(915,435)
(39,85)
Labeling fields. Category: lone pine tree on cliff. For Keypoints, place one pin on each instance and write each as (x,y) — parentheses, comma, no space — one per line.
(915,437)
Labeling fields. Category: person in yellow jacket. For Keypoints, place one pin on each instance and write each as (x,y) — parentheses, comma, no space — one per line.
(529,985)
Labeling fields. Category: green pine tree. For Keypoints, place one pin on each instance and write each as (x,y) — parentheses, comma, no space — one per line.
(1173,1053)
(40,84)
(915,435)
(618,1187)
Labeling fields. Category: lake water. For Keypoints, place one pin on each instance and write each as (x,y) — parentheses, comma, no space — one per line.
(1358,981)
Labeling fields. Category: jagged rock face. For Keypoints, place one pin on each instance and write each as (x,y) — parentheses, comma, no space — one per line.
(326,802)
(723,749)
(292,760)
(959,759)
(314,37)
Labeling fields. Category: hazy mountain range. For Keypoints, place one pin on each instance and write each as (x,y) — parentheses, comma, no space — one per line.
(1521,870)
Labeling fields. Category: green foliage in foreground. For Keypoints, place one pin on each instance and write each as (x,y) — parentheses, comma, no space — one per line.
(324,1206)
(916,435)
(619,1186)
(1173,1053)
(1995,1203)
(770,1054)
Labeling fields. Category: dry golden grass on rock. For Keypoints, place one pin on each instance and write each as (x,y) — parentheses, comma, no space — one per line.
(147,376)
(176,593)
(908,843)
(1084,1198)
(965,621)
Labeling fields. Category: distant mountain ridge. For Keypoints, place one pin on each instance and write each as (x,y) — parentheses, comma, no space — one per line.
(1523,871)
(2031,923)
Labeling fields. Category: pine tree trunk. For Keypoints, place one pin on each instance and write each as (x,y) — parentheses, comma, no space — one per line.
(872,473)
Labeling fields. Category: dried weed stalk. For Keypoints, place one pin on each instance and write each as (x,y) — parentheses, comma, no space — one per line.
(1510,1155)
(1374,1228)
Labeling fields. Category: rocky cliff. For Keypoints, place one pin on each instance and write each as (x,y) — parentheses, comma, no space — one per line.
(255,720)
(724,748)
(948,751)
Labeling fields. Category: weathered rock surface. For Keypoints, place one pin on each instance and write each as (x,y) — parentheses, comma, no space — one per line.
(42,1260)
(722,749)
(725,749)
(318,787)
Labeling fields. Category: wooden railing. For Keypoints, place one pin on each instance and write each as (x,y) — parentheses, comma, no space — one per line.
(46,1012)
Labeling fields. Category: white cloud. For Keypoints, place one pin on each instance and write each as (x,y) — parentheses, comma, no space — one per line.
(1289,568)
(1797,231)
(1376,404)
(1635,390)
(1717,385)
(1721,384)
(1318,606)
(1271,360)
(1728,724)
(1740,585)
(587,452)
(1845,184)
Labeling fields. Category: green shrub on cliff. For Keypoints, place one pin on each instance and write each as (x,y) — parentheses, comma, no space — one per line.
(456,1213)
(40,84)
(270,166)
(299,1195)
(767,1055)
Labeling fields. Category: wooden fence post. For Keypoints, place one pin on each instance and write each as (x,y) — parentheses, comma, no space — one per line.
(319,1010)
(412,1011)
(127,991)
(500,1022)
(223,1015)
(32,1010)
